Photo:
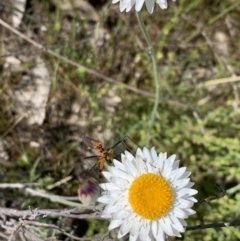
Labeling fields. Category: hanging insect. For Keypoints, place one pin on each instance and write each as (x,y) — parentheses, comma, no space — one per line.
(103,154)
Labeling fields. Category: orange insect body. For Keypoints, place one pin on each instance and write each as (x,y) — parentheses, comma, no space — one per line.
(99,148)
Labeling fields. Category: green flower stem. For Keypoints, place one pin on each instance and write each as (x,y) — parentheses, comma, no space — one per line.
(156,76)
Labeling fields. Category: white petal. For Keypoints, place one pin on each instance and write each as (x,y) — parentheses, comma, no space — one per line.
(185,175)
(131,169)
(188,191)
(180,183)
(121,174)
(120,182)
(150,5)
(140,164)
(133,237)
(163,156)
(132,216)
(107,175)
(192,199)
(149,237)
(150,167)
(119,165)
(109,209)
(109,186)
(169,162)
(177,224)
(179,213)
(121,201)
(176,232)
(130,5)
(176,174)
(183,203)
(123,5)
(122,156)
(121,214)
(147,155)
(189,185)
(175,165)
(154,228)
(189,211)
(124,229)
(139,153)
(182,221)
(166,228)
(129,156)
(138,5)
(160,163)
(114,224)
(136,226)
(168,223)
(106,199)
(144,233)
(153,151)
(162,3)
(160,236)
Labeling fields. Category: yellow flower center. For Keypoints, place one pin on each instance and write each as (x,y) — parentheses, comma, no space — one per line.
(150,196)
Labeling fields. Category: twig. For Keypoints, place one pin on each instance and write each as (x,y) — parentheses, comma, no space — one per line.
(221,194)
(3,236)
(105,236)
(60,182)
(221,81)
(15,232)
(24,226)
(91,71)
(21,234)
(222,13)
(65,59)
(41,193)
(213,225)
(13,125)
(79,213)
(26,233)
(210,45)
(51,226)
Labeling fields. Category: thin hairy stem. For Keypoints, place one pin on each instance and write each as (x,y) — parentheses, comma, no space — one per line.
(155,73)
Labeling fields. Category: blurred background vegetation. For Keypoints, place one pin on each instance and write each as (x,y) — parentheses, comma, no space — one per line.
(198,118)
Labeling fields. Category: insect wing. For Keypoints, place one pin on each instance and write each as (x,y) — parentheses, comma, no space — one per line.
(93,144)
(88,141)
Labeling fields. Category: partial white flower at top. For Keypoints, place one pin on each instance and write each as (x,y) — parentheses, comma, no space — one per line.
(147,196)
(128,4)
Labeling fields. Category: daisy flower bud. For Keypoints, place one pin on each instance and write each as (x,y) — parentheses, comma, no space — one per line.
(88,192)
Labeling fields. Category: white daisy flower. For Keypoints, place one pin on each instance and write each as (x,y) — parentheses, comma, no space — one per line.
(147,196)
(128,4)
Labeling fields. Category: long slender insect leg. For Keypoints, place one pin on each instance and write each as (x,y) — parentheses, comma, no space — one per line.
(89,157)
(87,174)
(122,140)
(221,194)
(124,143)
